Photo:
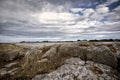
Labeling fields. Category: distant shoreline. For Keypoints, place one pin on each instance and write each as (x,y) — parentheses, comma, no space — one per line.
(95,40)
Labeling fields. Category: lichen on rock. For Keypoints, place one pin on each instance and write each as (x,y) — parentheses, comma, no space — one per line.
(48,59)
(74,69)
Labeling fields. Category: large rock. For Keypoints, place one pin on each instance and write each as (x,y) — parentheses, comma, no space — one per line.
(102,54)
(69,50)
(12,51)
(74,69)
(52,52)
(50,58)
(117,46)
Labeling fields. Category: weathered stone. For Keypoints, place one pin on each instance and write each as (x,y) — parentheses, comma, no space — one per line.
(101,54)
(51,58)
(73,69)
(50,54)
(10,64)
(69,50)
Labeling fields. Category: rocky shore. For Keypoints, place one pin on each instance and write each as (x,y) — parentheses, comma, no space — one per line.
(73,61)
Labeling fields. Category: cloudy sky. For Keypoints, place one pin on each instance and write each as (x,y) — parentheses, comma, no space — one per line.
(37,20)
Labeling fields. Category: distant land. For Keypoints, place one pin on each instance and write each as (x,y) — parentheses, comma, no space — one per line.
(94,40)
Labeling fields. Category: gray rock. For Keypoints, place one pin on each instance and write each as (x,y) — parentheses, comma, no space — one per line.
(73,69)
(102,54)
(117,47)
(69,50)
(11,64)
(54,57)
(3,71)
(51,52)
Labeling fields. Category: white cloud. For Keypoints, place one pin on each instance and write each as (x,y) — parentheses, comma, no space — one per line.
(47,19)
(49,7)
(55,18)
(85,24)
(102,10)
(76,10)
(88,12)
(100,36)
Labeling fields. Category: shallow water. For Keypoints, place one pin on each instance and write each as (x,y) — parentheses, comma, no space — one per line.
(37,44)
(53,43)
(42,44)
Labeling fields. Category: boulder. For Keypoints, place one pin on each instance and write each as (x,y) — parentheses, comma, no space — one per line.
(70,50)
(117,46)
(11,52)
(73,69)
(101,54)
(51,58)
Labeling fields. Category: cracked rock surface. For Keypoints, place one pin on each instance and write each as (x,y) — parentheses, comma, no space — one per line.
(75,69)
(73,61)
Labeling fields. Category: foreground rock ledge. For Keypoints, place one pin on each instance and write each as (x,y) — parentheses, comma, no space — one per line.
(74,69)
(69,61)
